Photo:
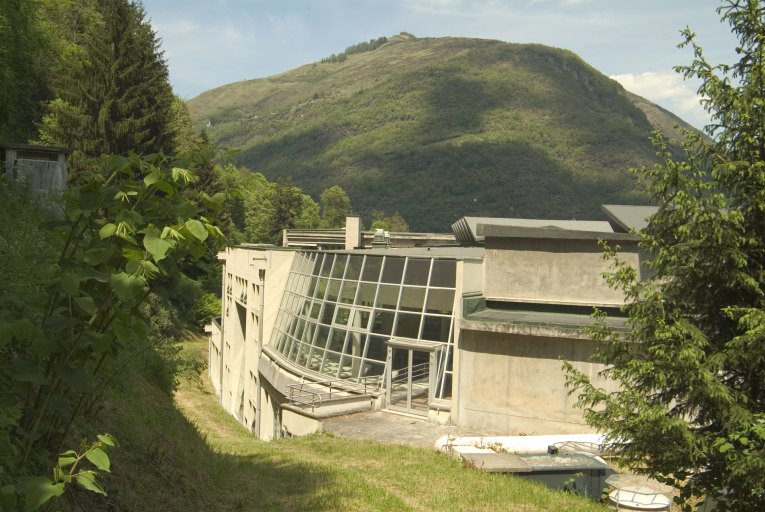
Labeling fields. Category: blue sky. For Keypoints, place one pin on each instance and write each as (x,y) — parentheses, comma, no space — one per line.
(209,43)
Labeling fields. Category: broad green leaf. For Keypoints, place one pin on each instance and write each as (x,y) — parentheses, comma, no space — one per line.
(99,458)
(87,479)
(25,330)
(98,256)
(37,490)
(107,230)
(127,288)
(86,304)
(45,345)
(57,323)
(27,371)
(67,458)
(156,246)
(132,253)
(70,283)
(91,273)
(197,229)
(152,178)
(76,377)
(103,343)
(107,439)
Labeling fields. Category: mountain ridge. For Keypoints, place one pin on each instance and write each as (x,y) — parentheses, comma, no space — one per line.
(438,128)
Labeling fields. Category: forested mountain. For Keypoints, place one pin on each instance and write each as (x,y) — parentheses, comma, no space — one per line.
(440,128)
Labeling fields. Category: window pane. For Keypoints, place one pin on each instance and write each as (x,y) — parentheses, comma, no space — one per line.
(383,322)
(321,288)
(354,267)
(387,296)
(408,325)
(322,336)
(417,271)
(436,328)
(360,318)
(339,269)
(331,364)
(443,274)
(370,369)
(393,270)
(355,345)
(308,333)
(317,264)
(326,316)
(372,268)
(377,348)
(412,299)
(301,356)
(366,296)
(349,367)
(337,340)
(342,316)
(349,292)
(312,286)
(327,267)
(440,302)
(333,290)
(315,308)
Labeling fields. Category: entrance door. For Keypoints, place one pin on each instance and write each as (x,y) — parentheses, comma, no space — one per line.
(409,380)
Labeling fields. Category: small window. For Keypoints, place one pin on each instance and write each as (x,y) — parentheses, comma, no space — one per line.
(393,270)
(443,274)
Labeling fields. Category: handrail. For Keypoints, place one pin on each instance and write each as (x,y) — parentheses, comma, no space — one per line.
(312,393)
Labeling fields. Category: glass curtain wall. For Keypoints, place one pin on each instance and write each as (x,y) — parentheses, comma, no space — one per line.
(339,310)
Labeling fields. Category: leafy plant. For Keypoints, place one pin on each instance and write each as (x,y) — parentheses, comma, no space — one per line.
(121,232)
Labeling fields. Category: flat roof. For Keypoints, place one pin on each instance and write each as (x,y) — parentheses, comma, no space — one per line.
(453,251)
(629,217)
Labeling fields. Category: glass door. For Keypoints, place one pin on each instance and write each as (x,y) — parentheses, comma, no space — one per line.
(409,380)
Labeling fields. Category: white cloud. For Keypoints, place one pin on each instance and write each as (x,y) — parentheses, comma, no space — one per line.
(669,90)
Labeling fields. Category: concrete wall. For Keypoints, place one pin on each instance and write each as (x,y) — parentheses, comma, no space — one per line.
(513,384)
(253,284)
(550,270)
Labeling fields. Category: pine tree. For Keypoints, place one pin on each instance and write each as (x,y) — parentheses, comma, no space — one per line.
(691,409)
(115,98)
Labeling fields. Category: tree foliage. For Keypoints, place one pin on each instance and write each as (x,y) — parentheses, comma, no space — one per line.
(24,49)
(691,409)
(335,206)
(112,94)
(122,232)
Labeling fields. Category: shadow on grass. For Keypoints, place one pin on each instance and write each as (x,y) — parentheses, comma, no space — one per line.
(165,462)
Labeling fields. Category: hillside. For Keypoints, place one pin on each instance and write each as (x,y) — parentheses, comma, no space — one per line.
(441,128)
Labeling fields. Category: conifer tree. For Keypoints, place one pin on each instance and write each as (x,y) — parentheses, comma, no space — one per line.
(691,408)
(115,98)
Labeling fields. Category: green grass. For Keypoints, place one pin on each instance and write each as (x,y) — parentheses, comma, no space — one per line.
(438,128)
(187,454)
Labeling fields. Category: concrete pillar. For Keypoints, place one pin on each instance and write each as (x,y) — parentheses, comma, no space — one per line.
(352,232)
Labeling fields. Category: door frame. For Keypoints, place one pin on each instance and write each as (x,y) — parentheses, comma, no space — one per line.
(433,349)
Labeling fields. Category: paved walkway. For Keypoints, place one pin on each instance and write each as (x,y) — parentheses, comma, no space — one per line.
(387,427)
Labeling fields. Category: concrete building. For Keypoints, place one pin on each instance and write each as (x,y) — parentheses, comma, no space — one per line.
(470,335)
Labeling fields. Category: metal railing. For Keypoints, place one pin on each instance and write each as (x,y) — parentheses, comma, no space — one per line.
(418,371)
(313,393)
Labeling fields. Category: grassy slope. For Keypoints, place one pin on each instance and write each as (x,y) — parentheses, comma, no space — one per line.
(188,455)
(439,128)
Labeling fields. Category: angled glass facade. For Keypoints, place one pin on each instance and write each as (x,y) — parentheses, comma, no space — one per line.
(339,310)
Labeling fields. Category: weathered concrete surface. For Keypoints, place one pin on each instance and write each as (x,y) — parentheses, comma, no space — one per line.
(385,427)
